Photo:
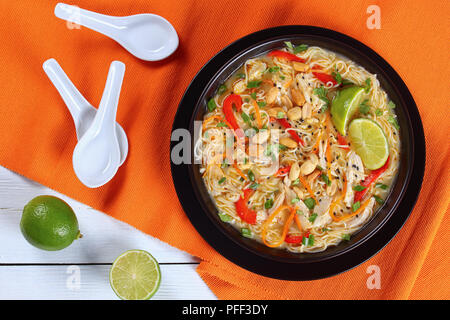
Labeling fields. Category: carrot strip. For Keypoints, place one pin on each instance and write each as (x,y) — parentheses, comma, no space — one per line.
(315,147)
(285,228)
(208,120)
(235,166)
(297,221)
(307,187)
(363,206)
(257,114)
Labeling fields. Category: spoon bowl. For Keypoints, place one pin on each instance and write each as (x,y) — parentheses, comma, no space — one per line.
(96,157)
(147,36)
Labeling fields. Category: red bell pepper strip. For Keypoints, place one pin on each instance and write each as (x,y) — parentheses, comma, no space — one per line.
(342,142)
(369,180)
(293,239)
(283,171)
(236,100)
(325,78)
(285,55)
(246,214)
(293,134)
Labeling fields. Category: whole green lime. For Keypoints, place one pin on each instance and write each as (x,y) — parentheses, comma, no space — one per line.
(49,223)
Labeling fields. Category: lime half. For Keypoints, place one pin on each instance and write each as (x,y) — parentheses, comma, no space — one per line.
(369,142)
(344,106)
(135,275)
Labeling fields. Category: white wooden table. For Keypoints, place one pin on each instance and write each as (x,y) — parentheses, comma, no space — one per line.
(80,271)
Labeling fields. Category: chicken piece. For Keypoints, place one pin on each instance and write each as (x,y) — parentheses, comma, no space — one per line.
(354,174)
(255,69)
(321,209)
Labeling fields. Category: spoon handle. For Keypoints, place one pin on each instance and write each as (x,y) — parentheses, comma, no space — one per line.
(107,110)
(107,25)
(74,100)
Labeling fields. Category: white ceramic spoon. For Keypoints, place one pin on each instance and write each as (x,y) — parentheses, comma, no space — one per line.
(147,36)
(81,110)
(96,157)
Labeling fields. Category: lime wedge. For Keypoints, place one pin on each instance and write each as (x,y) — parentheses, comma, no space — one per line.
(135,275)
(344,106)
(369,142)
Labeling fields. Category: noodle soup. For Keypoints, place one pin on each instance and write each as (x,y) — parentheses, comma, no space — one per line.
(299,148)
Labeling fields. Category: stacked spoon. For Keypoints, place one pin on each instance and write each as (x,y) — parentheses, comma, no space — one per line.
(102,143)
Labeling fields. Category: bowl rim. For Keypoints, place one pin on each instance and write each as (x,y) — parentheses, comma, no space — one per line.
(260,263)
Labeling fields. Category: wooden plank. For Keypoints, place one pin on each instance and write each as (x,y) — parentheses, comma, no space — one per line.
(104,238)
(179,281)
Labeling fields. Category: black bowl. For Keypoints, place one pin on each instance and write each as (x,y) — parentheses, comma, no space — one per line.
(282,264)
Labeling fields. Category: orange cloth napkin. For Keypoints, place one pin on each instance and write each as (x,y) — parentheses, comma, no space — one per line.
(37,135)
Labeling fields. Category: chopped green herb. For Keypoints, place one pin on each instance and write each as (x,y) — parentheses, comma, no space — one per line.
(311,240)
(378,199)
(268,151)
(251,175)
(325,229)
(222,180)
(253,95)
(321,92)
(368,85)
(273,69)
(280,115)
(300,48)
(296,182)
(268,204)
(224,217)
(254,186)
(381,185)
(211,105)
(300,212)
(224,164)
(346,82)
(356,206)
(281,147)
(282,77)
(378,112)
(312,217)
(391,105)
(295,200)
(247,100)
(222,89)
(240,75)
(325,179)
(394,122)
(289,45)
(308,241)
(221,124)
(310,203)
(254,84)
(337,76)
(359,188)
(246,232)
(261,104)
(346,237)
(319,168)
(246,118)
(364,107)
